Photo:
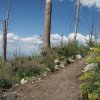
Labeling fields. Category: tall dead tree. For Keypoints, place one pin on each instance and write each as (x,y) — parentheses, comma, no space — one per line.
(77,19)
(47,26)
(4,44)
(90,36)
(5,29)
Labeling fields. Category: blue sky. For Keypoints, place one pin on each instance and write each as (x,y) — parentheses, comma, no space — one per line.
(27,22)
(27,18)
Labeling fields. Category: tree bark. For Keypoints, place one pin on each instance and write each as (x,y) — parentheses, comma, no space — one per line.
(4,44)
(47,29)
(77,18)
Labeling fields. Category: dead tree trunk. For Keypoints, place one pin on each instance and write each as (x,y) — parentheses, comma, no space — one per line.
(4,45)
(77,18)
(47,26)
(91,43)
(5,29)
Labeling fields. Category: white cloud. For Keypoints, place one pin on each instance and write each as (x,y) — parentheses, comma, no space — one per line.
(15,38)
(88,37)
(65,39)
(12,37)
(80,37)
(90,3)
(56,39)
(29,44)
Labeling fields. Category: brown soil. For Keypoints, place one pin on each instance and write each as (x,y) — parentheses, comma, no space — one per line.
(63,85)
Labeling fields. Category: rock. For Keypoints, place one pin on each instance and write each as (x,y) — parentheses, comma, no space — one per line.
(16,84)
(91,49)
(45,74)
(48,69)
(39,79)
(71,60)
(89,67)
(56,67)
(4,97)
(78,57)
(62,66)
(24,81)
(57,62)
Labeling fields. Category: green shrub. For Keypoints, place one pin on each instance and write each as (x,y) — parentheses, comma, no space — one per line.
(18,76)
(28,72)
(83,50)
(5,83)
(35,71)
(91,85)
(49,63)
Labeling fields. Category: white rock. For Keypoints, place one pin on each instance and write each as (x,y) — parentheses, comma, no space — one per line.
(24,81)
(56,67)
(39,79)
(62,66)
(89,67)
(44,74)
(16,84)
(91,49)
(71,60)
(57,62)
(48,69)
(78,57)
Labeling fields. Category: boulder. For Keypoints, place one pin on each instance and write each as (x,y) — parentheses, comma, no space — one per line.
(91,49)
(57,62)
(78,57)
(56,67)
(24,81)
(89,67)
(63,64)
(71,60)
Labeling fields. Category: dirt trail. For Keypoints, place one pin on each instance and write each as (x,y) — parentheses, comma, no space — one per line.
(63,85)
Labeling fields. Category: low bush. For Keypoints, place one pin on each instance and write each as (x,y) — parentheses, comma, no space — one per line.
(90,87)
(29,72)
(5,83)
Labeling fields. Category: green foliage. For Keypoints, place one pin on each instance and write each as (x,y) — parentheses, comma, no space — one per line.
(95,57)
(90,43)
(29,72)
(50,64)
(83,50)
(34,65)
(35,71)
(87,76)
(90,88)
(5,83)
(18,76)
(91,84)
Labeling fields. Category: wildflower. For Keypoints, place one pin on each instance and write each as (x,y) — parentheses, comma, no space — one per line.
(97,83)
(92,96)
(86,76)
